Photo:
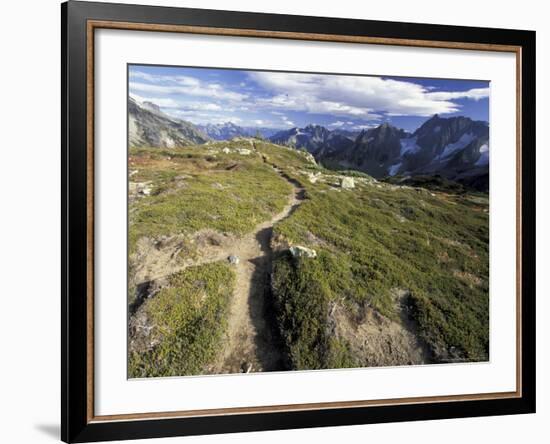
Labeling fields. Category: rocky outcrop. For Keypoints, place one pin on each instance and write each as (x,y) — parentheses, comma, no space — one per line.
(150,127)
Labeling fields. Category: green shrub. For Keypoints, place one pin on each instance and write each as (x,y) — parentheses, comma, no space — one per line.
(188,320)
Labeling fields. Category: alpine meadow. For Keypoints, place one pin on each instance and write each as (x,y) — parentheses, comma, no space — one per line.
(285,221)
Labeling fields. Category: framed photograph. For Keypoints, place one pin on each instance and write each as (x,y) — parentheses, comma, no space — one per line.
(275,221)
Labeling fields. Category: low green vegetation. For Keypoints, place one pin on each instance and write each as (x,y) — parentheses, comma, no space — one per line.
(191,189)
(375,238)
(186,322)
(428,238)
(302,294)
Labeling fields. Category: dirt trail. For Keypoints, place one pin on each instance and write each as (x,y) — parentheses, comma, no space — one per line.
(251,346)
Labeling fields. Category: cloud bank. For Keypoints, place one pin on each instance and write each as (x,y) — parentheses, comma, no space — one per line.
(275,99)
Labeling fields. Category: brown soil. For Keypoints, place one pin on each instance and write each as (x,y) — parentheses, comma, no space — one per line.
(376,340)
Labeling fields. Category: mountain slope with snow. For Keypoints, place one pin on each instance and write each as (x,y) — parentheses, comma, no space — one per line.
(456,148)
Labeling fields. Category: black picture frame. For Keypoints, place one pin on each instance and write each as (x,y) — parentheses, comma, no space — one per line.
(76,423)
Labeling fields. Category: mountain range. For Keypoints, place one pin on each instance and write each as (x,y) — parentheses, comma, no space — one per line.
(456,148)
(229,130)
(316,139)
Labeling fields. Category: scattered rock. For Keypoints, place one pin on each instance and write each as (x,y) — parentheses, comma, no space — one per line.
(400,218)
(299,251)
(244,151)
(226,150)
(347,183)
(139,188)
(233,260)
(314,177)
(471,279)
(310,158)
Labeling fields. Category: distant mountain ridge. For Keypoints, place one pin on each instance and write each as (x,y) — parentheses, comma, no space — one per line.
(229,130)
(149,126)
(456,148)
(316,139)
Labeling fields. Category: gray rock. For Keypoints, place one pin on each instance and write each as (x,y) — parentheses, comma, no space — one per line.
(299,251)
(144,189)
(234,260)
(347,183)
(313,177)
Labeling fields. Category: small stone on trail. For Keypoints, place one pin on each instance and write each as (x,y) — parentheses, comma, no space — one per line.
(234,260)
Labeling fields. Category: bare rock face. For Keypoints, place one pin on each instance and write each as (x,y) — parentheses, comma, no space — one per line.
(149,126)
(347,183)
(299,251)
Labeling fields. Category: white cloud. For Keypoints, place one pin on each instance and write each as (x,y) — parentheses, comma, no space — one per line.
(203,118)
(182,105)
(336,124)
(286,120)
(211,91)
(354,96)
(170,85)
(355,102)
(474,94)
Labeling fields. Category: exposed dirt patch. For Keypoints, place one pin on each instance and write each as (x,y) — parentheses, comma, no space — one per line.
(376,340)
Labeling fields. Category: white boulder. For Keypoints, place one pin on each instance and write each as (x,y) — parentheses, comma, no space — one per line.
(299,251)
(347,183)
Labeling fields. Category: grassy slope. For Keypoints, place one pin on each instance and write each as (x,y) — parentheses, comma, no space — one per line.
(189,319)
(369,240)
(194,189)
(376,238)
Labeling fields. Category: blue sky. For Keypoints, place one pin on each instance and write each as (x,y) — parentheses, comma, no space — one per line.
(285,100)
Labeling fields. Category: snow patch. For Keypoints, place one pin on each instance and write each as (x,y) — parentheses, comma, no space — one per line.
(484,155)
(461,143)
(394,169)
(408,145)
